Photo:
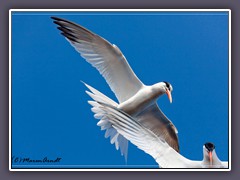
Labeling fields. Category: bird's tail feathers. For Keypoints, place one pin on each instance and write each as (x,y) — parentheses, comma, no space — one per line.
(115,138)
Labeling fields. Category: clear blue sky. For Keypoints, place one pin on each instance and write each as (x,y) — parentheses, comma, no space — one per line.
(50,114)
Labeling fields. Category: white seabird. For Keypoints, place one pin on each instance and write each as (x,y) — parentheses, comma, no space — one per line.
(135,98)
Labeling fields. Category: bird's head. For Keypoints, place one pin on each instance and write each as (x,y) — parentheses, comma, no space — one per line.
(163,88)
(208,150)
(168,89)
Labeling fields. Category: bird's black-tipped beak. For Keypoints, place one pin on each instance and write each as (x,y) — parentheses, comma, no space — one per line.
(210,157)
(169,95)
(210,147)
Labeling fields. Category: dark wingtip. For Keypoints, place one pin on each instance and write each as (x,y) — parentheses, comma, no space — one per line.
(70,37)
(65,30)
(72,31)
(58,21)
(56,18)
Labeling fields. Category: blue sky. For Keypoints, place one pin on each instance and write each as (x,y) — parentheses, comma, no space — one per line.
(50,114)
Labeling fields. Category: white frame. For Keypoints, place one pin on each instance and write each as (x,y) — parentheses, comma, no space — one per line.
(118,10)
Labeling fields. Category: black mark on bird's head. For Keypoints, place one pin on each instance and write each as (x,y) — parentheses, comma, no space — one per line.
(210,146)
(168,85)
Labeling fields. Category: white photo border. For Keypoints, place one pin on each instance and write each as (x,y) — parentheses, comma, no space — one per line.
(118,10)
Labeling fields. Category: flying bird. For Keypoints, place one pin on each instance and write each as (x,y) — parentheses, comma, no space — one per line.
(149,142)
(134,98)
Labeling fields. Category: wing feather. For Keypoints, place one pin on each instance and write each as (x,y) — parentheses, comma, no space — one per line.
(105,57)
(115,138)
(144,138)
(153,119)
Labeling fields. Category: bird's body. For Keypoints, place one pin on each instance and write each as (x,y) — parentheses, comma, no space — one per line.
(144,109)
(140,101)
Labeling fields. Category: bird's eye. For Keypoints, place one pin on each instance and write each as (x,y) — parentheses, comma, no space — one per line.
(167,85)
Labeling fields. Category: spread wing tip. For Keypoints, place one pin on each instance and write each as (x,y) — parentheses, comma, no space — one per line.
(55,18)
(60,21)
(73,32)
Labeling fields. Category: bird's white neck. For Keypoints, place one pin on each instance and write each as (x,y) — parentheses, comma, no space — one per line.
(215,160)
(142,99)
(158,89)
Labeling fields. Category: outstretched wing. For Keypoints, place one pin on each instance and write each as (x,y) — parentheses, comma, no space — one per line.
(105,57)
(153,119)
(145,139)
